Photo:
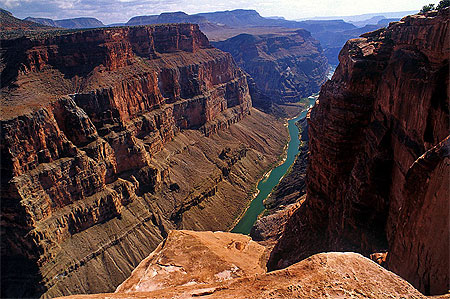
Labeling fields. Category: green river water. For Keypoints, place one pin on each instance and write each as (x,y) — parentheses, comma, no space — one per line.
(266,185)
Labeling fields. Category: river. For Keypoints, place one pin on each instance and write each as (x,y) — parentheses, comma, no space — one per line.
(266,185)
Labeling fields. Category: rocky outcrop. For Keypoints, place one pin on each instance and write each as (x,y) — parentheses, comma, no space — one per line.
(269,227)
(377,178)
(225,265)
(109,139)
(285,67)
(196,258)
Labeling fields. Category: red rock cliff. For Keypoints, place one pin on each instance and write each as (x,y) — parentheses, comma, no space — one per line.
(285,66)
(100,130)
(378,176)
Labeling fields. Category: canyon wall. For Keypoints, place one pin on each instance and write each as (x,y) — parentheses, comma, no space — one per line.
(109,138)
(378,173)
(285,67)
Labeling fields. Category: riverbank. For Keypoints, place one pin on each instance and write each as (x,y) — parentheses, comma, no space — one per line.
(266,184)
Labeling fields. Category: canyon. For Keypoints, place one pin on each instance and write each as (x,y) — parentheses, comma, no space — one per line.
(112,137)
(126,152)
(288,195)
(221,25)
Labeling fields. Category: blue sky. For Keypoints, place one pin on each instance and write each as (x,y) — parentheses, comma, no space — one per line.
(112,11)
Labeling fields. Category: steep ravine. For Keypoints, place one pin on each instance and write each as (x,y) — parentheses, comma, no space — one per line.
(278,177)
(110,138)
(286,196)
(377,178)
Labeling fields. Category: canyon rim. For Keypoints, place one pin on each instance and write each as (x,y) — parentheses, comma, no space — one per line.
(129,151)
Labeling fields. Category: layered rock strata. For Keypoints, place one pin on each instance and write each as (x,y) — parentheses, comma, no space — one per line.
(225,265)
(285,66)
(111,137)
(378,173)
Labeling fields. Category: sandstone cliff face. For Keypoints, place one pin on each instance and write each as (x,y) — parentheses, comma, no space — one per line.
(285,67)
(225,265)
(377,177)
(111,137)
(426,187)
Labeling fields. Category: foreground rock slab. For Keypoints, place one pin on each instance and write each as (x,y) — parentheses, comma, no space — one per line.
(195,258)
(224,265)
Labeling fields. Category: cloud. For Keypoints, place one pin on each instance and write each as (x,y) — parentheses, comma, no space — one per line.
(12,3)
(105,10)
(112,11)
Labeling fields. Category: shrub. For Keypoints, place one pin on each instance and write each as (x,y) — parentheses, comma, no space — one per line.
(427,8)
(443,4)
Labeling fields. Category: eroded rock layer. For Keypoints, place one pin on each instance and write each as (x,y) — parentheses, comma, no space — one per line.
(285,66)
(378,173)
(225,265)
(111,137)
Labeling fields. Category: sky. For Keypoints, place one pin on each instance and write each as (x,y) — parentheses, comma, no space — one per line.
(118,11)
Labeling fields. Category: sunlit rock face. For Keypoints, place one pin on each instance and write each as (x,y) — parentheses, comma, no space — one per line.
(377,178)
(111,137)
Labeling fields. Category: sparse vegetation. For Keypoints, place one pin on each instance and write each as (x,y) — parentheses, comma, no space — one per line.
(442,4)
(426,8)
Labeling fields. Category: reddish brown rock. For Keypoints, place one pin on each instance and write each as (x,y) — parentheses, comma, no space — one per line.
(225,265)
(423,223)
(99,130)
(270,226)
(284,66)
(196,258)
(377,152)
